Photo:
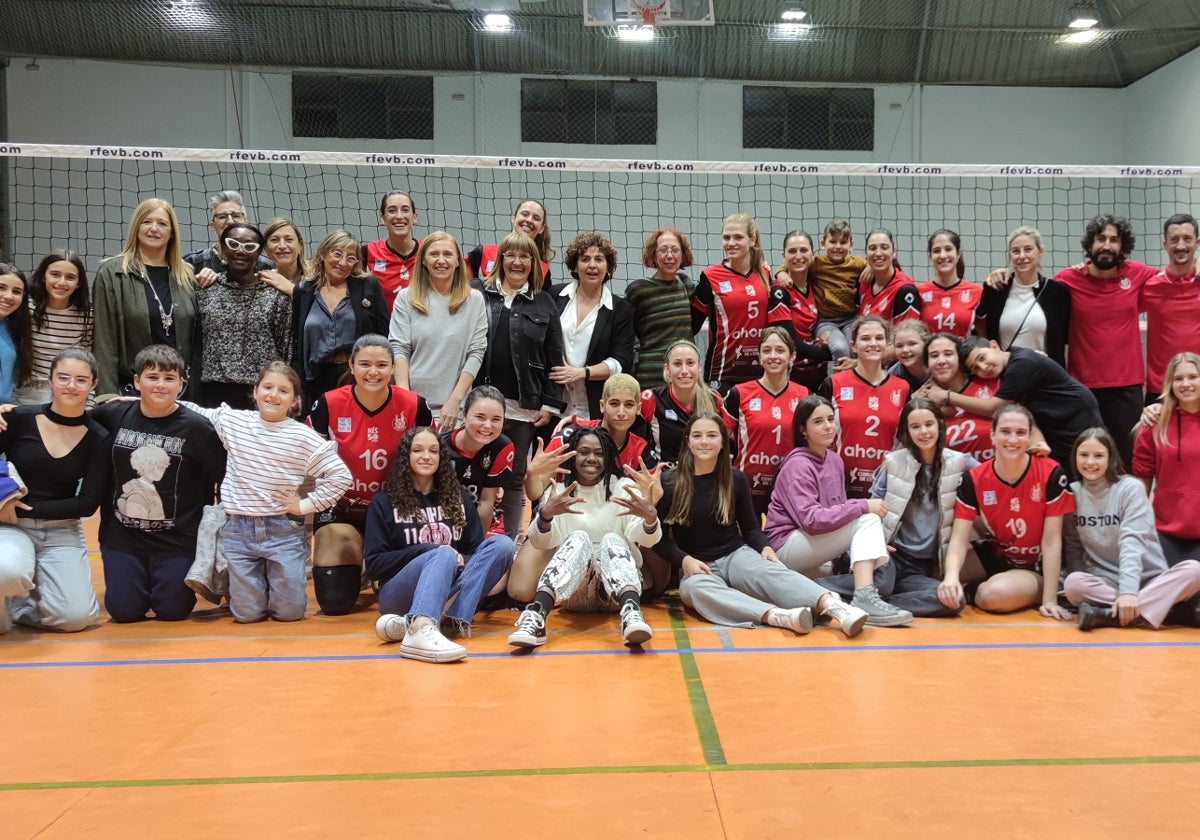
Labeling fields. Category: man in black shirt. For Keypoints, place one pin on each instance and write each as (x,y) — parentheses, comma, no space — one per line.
(167,462)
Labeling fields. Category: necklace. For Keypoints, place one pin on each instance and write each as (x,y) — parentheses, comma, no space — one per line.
(167,315)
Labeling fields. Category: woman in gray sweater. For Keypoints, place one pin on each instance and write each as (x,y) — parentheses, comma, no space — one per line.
(1118,574)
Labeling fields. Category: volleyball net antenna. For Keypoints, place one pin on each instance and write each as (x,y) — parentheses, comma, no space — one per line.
(81,197)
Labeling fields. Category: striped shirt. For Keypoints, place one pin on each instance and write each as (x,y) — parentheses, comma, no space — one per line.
(661,316)
(266,459)
(63,328)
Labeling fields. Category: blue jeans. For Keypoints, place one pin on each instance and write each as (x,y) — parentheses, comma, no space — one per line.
(134,585)
(45,573)
(423,587)
(266,556)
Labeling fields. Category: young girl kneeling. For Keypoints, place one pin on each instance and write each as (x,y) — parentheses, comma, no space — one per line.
(270,455)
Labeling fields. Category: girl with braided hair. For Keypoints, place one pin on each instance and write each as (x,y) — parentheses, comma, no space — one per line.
(425,547)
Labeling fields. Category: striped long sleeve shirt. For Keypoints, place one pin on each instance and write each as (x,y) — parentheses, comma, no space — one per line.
(266,459)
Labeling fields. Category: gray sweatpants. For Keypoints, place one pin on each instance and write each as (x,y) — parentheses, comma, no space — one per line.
(744,586)
(904,583)
(587,577)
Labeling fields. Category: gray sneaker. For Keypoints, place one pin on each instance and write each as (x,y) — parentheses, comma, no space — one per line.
(849,617)
(879,612)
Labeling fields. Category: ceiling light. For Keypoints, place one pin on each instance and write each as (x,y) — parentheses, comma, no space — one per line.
(789,31)
(1083,16)
(497,23)
(635,33)
(793,15)
(1082,36)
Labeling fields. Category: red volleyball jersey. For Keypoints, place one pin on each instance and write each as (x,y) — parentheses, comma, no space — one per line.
(763,431)
(636,447)
(392,269)
(898,301)
(735,306)
(950,310)
(1015,514)
(665,419)
(971,433)
(788,305)
(366,440)
(868,418)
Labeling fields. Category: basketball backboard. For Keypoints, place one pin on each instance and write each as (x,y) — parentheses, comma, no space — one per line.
(648,12)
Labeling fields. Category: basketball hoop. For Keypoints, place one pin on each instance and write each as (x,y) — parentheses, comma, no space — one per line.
(649,10)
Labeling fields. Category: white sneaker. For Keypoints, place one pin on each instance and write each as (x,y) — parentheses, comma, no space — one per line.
(634,629)
(798,620)
(391,628)
(429,645)
(850,618)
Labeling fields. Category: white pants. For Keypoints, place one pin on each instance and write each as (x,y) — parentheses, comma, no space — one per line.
(863,538)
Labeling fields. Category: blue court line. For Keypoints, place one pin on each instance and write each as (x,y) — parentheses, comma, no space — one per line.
(542,654)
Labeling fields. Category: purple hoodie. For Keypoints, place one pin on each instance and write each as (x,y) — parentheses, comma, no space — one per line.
(810,496)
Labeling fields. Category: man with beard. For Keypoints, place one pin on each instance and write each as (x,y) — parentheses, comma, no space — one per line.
(1104,341)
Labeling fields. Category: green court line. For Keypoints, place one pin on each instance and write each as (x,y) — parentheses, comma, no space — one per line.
(964,764)
(706,726)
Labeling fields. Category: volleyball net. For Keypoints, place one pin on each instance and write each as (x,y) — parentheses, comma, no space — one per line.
(81,197)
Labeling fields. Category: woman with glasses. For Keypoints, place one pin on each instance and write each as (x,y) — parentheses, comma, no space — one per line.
(661,303)
(224,208)
(245,323)
(336,304)
(145,295)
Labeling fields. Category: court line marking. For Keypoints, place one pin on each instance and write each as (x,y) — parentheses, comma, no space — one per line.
(509,772)
(706,724)
(542,654)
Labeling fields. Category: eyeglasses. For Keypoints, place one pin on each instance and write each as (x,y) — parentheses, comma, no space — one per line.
(344,258)
(241,247)
(667,251)
(229,217)
(65,379)
(517,256)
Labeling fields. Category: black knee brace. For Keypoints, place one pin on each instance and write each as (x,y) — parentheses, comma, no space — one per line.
(337,588)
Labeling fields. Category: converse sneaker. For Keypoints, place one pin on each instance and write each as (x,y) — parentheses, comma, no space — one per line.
(634,629)
(391,628)
(879,612)
(798,620)
(849,617)
(429,645)
(531,630)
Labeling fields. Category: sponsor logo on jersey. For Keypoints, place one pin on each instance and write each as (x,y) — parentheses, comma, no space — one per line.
(1014,505)
(405,274)
(873,402)
(755,405)
(895,398)
(486,461)
(751,290)
(670,414)
(399,423)
(989,497)
(373,434)
(845,394)
(1125,284)
(380,265)
(965,295)
(724,287)
(343,425)
(1036,493)
(776,412)
(945,303)
(927,296)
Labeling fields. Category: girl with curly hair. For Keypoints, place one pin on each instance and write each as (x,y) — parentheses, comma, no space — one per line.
(425,547)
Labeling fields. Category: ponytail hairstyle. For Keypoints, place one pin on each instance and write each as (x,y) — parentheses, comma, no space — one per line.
(684,475)
(961,267)
(757,257)
(705,403)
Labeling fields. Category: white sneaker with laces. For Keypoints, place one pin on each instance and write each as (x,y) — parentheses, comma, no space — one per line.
(850,618)
(391,627)
(798,620)
(429,645)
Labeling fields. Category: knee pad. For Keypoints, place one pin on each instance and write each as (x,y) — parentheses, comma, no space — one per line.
(337,588)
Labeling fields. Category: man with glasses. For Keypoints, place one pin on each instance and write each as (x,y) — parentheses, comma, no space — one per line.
(225,208)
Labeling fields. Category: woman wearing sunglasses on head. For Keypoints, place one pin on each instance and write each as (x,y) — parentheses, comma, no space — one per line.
(244,322)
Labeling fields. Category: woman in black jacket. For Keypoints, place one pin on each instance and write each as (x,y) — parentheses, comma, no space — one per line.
(597,326)
(1021,307)
(336,304)
(524,343)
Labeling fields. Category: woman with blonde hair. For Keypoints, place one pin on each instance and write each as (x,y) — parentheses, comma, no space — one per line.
(145,295)
(439,329)
(335,305)
(1167,455)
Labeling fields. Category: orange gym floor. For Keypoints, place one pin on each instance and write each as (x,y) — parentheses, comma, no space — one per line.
(983,726)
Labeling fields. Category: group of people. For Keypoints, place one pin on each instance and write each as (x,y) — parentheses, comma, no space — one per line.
(853,447)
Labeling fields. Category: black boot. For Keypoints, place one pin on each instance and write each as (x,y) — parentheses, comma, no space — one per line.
(1092,616)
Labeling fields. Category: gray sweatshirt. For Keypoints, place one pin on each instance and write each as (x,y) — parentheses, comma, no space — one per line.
(1111,534)
(438,346)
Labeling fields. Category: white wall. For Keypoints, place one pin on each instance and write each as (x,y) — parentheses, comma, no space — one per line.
(87,102)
